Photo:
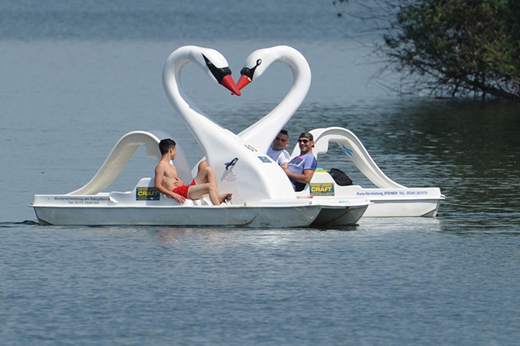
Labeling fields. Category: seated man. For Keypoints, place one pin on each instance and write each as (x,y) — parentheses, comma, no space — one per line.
(168,182)
(301,168)
(277,152)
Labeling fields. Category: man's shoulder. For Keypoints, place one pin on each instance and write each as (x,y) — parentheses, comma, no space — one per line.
(310,161)
(162,165)
(276,153)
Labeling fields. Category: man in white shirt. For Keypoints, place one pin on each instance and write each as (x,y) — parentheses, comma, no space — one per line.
(277,152)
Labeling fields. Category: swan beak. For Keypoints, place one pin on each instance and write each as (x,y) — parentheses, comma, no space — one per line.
(243,81)
(229,83)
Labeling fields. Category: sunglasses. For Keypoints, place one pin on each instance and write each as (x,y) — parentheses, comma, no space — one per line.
(304,141)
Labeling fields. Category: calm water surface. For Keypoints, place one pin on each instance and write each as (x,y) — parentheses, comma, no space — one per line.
(71,88)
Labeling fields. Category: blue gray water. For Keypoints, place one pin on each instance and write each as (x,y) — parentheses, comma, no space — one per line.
(76,76)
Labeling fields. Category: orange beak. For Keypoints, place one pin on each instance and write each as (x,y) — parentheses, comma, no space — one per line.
(243,81)
(229,83)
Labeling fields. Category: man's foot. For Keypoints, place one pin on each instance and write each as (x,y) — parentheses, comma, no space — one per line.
(226,197)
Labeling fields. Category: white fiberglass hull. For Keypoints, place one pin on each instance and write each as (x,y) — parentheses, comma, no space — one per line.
(396,202)
(384,202)
(104,210)
(402,207)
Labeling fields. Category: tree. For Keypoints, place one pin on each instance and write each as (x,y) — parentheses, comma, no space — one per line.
(452,47)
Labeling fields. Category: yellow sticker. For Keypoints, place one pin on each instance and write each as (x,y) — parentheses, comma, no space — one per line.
(322,189)
(147,194)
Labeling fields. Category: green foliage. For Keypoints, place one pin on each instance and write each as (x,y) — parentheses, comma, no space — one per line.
(456,47)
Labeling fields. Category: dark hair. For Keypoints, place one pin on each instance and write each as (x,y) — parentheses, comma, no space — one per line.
(166,144)
(307,135)
(284,132)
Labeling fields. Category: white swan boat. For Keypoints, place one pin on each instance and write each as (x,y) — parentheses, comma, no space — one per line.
(143,205)
(262,193)
(388,199)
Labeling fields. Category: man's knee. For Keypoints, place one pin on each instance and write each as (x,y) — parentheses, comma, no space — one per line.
(203,165)
(207,170)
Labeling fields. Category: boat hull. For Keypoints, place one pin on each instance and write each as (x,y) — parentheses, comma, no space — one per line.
(403,208)
(397,202)
(100,210)
(385,202)
(334,217)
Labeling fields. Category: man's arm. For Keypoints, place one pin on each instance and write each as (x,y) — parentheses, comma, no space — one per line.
(304,178)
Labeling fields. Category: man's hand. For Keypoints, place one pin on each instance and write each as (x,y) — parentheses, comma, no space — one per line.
(177,197)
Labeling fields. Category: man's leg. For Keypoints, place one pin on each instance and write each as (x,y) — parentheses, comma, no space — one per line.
(199,190)
(206,175)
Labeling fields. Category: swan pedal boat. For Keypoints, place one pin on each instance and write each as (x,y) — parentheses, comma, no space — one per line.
(144,205)
(388,199)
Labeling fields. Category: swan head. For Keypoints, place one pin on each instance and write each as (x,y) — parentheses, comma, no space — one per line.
(258,62)
(247,74)
(216,67)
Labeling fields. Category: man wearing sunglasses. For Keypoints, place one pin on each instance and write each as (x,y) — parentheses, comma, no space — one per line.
(277,151)
(301,168)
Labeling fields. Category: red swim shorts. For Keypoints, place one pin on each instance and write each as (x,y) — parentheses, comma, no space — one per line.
(183,190)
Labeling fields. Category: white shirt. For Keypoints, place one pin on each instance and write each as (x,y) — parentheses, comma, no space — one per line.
(279,156)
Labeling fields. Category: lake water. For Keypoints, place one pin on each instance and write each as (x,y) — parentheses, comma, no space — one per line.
(76,76)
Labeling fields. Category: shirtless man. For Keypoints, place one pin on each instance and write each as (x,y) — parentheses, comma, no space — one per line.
(169,184)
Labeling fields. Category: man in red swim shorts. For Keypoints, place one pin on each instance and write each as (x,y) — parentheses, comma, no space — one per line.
(168,183)
(183,190)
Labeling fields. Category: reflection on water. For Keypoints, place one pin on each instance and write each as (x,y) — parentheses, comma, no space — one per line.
(182,236)
(170,237)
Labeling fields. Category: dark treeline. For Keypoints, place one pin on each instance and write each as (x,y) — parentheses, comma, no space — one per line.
(447,47)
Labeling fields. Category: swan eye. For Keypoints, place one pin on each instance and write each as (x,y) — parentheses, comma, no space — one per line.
(218,73)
